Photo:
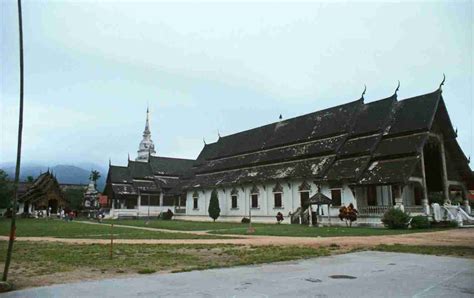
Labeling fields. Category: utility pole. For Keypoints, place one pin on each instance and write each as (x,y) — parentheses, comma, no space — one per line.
(18,153)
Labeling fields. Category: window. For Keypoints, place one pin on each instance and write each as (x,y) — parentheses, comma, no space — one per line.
(168,201)
(304,199)
(418,195)
(233,197)
(150,200)
(336,197)
(234,202)
(255,200)
(371,195)
(195,200)
(277,199)
(254,196)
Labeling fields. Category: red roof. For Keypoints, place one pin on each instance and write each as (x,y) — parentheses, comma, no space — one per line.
(103,200)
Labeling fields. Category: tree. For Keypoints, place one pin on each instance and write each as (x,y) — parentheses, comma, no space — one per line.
(75,198)
(214,209)
(6,188)
(18,151)
(94,176)
(30,179)
(349,214)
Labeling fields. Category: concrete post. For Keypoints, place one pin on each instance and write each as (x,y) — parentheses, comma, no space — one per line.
(425,201)
(161,199)
(466,206)
(397,191)
(445,171)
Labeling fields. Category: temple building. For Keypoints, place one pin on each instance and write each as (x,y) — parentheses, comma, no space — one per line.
(146,147)
(149,185)
(377,155)
(40,195)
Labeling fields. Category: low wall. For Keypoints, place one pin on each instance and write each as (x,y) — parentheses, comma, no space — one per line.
(324,221)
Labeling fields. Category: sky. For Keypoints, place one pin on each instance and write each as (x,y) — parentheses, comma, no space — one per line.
(92,67)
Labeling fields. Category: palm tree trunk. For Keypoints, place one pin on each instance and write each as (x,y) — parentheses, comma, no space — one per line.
(18,153)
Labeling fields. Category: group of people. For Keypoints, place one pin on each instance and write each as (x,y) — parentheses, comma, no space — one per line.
(67,215)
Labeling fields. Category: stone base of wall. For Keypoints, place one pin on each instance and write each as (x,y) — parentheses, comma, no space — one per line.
(361,222)
(335,221)
(258,219)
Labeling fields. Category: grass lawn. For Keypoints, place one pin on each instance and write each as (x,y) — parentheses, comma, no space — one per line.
(40,263)
(458,251)
(265,229)
(62,229)
(181,225)
(305,231)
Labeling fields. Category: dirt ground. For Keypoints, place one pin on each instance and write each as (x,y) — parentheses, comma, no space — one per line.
(457,237)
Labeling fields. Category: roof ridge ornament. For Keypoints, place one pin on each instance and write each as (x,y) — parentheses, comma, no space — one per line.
(363,92)
(204,140)
(110,161)
(398,88)
(442,82)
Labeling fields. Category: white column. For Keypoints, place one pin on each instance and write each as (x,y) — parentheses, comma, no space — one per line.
(223,201)
(268,188)
(445,171)
(467,207)
(425,201)
(398,191)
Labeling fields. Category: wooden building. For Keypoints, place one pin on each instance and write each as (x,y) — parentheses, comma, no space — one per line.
(45,192)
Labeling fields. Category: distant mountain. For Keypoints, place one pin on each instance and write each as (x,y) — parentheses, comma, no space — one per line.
(64,173)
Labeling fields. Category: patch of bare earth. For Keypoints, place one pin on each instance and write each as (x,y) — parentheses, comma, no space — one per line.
(455,237)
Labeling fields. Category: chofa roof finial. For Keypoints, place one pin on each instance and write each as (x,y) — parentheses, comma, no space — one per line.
(442,82)
(110,161)
(363,92)
(398,87)
(204,140)
(218,133)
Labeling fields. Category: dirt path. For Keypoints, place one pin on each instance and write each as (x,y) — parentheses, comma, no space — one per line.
(459,237)
(146,228)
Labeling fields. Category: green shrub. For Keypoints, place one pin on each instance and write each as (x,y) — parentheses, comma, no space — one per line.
(166,215)
(396,219)
(245,220)
(453,224)
(214,209)
(420,222)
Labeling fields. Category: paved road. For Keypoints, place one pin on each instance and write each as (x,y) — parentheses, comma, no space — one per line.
(362,274)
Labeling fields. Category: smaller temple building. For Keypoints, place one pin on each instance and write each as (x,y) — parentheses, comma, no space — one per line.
(41,195)
(91,196)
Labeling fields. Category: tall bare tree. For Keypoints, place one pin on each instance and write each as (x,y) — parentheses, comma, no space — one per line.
(18,153)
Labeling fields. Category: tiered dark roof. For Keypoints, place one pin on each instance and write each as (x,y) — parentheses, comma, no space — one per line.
(32,192)
(159,174)
(360,143)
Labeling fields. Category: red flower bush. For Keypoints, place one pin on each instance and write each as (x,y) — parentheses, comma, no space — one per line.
(349,214)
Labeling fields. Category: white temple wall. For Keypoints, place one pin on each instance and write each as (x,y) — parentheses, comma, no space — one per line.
(291,199)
